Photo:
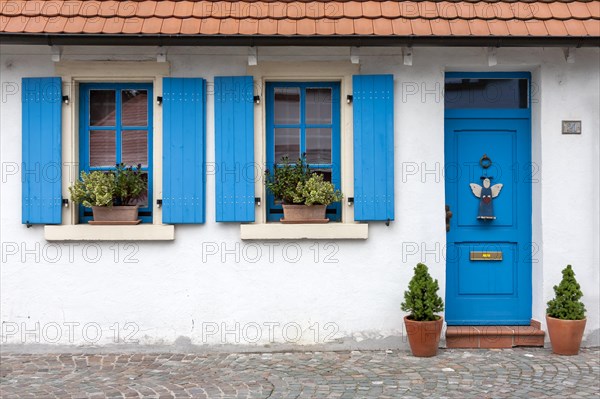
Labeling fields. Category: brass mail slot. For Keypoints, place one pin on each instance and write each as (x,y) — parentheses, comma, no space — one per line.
(489,255)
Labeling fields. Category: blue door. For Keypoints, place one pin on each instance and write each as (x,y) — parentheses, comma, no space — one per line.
(488,176)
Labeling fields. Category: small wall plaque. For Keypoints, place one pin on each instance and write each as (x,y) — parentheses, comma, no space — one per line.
(571,127)
(487,255)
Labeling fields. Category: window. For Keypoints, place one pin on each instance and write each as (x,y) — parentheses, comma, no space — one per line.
(116,127)
(484,92)
(304,118)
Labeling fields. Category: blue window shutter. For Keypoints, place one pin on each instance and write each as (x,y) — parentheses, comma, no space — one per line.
(234,146)
(41,162)
(373,105)
(184,138)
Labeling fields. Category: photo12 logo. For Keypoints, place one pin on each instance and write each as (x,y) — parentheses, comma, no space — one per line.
(68,332)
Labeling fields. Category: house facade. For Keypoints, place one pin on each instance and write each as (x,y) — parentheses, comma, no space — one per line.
(463,135)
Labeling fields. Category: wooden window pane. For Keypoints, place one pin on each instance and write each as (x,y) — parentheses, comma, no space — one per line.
(134,147)
(287,143)
(103,109)
(102,148)
(318,145)
(134,109)
(318,106)
(287,105)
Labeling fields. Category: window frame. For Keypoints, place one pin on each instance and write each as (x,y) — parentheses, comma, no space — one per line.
(274,211)
(146,213)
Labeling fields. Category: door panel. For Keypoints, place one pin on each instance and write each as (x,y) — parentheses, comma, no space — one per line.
(481,289)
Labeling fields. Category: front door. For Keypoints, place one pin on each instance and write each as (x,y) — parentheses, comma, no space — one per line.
(488,175)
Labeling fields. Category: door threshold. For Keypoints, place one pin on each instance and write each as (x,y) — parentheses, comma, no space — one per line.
(494,337)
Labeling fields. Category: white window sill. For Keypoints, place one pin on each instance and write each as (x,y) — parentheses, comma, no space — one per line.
(84,232)
(329,231)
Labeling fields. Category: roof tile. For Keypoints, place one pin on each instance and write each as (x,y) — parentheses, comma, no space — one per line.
(133,25)
(325,26)
(183,9)
(363,26)
(127,9)
(390,9)
(440,27)
(536,27)
(75,25)
(559,10)
(152,25)
(421,27)
(371,9)
(210,26)
(70,8)
(36,25)
(479,27)
(460,27)
(382,27)
(579,10)
(542,11)
(248,26)
(32,8)
(304,17)
(15,25)
(145,9)
(11,8)
(56,25)
(114,25)
(108,8)
(164,9)
(498,27)
(306,27)
(52,8)
(94,25)
(89,8)
(229,26)
(191,26)
(517,28)
(575,27)
(594,8)
(592,27)
(267,26)
(402,27)
(556,28)
(171,26)
(352,9)
(344,26)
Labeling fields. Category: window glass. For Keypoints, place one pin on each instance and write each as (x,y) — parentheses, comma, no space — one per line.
(102,108)
(318,145)
(102,148)
(287,105)
(464,93)
(318,106)
(134,108)
(134,147)
(287,143)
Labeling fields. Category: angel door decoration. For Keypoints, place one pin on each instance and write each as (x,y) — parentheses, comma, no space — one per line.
(485,195)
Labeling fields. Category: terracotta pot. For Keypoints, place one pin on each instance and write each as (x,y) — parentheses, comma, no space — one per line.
(304,213)
(423,336)
(115,213)
(565,335)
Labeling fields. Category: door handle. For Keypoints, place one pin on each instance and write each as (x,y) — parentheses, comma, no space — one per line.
(448,217)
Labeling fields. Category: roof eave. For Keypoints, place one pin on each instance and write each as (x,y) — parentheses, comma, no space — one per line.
(279,40)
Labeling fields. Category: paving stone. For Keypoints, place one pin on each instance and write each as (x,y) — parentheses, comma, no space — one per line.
(454,373)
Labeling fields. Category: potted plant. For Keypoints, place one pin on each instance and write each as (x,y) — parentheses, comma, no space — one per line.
(565,315)
(112,195)
(304,195)
(422,302)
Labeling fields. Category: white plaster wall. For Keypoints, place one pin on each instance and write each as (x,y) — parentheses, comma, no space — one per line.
(180,292)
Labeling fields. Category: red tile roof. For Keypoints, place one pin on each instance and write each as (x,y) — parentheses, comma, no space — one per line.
(304,19)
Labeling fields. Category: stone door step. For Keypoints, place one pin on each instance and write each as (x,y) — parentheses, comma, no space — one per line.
(495,336)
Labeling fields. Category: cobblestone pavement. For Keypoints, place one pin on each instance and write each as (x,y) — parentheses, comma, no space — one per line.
(509,373)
